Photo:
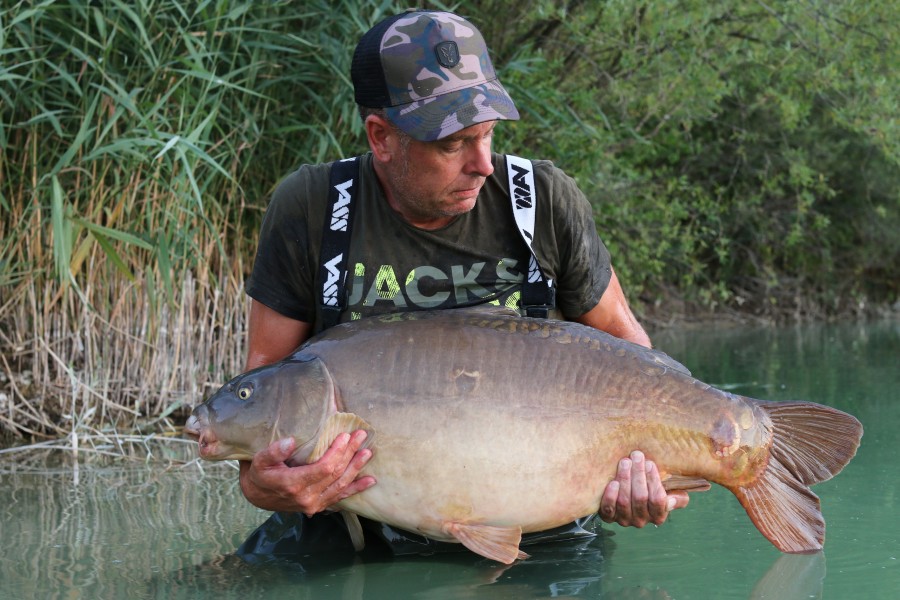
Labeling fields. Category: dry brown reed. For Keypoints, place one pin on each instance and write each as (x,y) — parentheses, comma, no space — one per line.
(88,369)
(139,145)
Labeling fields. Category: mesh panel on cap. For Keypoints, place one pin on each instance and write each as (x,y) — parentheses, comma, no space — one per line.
(366,72)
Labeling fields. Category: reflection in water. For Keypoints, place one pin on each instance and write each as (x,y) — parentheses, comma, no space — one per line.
(459,575)
(138,531)
(792,576)
(103,529)
(557,570)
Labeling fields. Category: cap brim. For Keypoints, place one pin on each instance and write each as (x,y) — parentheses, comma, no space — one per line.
(434,118)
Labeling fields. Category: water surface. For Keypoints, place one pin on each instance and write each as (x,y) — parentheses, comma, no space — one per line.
(142,530)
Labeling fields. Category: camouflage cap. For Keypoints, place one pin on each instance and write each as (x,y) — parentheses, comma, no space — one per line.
(431,73)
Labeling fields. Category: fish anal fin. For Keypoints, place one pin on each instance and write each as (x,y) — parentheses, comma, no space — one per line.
(354,528)
(784,510)
(675,483)
(337,424)
(497,543)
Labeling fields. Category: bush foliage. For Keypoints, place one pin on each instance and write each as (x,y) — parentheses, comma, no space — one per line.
(740,156)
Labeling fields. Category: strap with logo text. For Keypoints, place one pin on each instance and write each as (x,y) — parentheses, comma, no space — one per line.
(336,240)
(538,293)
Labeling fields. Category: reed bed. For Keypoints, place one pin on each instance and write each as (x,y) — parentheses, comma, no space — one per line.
(733,163)
(140,142)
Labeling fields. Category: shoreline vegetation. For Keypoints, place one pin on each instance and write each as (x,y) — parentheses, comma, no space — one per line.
(743,162)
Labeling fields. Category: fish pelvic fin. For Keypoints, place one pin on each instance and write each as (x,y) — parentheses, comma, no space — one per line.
(810,443)
(354,528)
(497,543)
(337,424)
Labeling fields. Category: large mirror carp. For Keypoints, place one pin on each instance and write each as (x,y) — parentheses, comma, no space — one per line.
(485,425)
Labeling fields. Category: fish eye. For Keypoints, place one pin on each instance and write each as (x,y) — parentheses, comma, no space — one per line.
(245,391)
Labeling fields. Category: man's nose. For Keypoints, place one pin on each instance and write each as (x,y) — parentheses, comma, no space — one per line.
(479,162)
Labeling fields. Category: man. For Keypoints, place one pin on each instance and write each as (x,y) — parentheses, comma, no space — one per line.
(433,229)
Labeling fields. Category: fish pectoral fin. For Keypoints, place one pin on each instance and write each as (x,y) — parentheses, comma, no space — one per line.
(497,543)
(354,528)
(675,483)
(337,424)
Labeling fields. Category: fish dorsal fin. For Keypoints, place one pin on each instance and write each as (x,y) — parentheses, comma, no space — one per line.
(497,543)
(355,530)
(664,360)
(688,484)
(337,424)
(490,310)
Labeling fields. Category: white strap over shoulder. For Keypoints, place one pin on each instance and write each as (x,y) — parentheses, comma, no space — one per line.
(520,172)
(536,299)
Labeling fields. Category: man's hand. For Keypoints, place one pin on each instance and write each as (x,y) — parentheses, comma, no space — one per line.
(268,483)
(636,496)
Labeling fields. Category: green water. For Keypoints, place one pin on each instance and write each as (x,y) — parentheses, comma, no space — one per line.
(136,530)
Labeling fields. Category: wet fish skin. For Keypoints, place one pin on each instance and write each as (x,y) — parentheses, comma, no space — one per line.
(486,425)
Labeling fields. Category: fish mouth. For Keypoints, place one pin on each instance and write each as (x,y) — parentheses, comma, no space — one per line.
(198,429)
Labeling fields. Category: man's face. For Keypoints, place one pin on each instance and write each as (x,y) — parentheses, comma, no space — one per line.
(430,183)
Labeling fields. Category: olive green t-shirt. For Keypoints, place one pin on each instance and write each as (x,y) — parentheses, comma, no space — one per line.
(478,258)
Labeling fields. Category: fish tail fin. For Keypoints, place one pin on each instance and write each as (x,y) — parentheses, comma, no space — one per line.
(814,442)
(810,443)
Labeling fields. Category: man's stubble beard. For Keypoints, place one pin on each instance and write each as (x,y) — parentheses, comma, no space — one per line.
(407,197)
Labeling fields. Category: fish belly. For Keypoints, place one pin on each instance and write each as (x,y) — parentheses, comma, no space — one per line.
(511,422)
(427,478)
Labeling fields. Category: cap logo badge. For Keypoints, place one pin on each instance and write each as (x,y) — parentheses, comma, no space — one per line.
(447,54)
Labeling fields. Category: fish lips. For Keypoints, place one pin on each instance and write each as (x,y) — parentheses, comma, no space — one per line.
(197,427)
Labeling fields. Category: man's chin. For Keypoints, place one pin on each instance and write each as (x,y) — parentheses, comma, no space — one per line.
(460,207)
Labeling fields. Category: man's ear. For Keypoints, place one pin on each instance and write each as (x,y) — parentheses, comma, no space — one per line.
(382,138)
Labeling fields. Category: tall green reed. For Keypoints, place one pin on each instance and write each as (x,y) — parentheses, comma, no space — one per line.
(140,141)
